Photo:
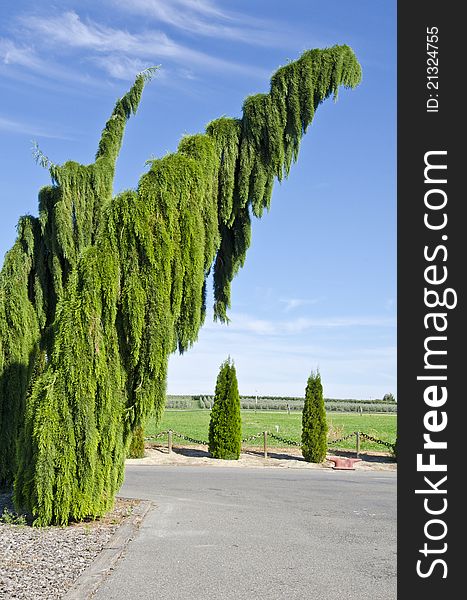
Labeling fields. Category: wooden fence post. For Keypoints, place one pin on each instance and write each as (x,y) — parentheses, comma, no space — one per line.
(357,433)
(169,436)
(265,435)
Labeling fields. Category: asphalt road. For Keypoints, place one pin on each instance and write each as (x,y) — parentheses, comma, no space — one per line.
(266,534)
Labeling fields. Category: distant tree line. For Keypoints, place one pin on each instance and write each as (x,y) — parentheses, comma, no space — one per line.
(284,403)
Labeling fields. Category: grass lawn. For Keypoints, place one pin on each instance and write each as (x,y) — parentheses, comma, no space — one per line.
(195,424)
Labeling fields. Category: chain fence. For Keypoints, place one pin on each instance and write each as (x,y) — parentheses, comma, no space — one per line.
(284,440)
(178,435)
(342,439)
(263,434)
(253,437)
(148,438)
(187,438)
(376,440)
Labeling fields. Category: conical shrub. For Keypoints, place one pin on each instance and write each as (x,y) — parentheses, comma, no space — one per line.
(314,425)
(225,426)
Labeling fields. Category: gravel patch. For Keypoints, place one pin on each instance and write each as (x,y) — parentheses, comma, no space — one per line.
(43,563)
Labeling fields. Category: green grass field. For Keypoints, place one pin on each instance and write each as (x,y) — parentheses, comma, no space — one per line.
(195,424)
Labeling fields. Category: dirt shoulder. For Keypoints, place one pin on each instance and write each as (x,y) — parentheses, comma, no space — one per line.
(291,458)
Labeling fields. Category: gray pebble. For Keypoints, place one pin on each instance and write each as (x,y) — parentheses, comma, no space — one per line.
(43,563)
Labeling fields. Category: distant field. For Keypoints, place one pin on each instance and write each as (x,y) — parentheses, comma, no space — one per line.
(195,424)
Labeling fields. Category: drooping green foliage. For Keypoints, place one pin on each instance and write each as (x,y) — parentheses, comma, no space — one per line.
(19,340)
(314,424)
(37,269)
(97,291)
(268,140)
(225,426)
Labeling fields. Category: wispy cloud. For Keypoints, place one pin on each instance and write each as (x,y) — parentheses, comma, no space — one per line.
(116,50)
(16,54)
(124,68)
(24,128)
(265,327)
(293,303)
(205,18)
(274,365)
(27,57)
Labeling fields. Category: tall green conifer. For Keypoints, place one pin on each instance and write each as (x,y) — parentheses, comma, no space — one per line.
(225,426)
(97,292)
(314,425)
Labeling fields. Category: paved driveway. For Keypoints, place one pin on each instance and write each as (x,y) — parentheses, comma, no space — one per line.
(266,534)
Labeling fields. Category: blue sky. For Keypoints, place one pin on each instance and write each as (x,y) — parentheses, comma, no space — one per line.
(318,289)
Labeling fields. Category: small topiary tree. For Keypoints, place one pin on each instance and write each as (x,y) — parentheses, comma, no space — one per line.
(225,426)
(314,425)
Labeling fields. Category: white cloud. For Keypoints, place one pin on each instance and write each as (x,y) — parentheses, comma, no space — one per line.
(179,13)
(14,54)
(202,17)
(275,358)
(124,68)
(278,366)
(293,303)
(41,71)
(24,128)
(68,31)
(244,322)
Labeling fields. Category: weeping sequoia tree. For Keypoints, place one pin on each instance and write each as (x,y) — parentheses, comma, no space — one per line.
(98,291)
